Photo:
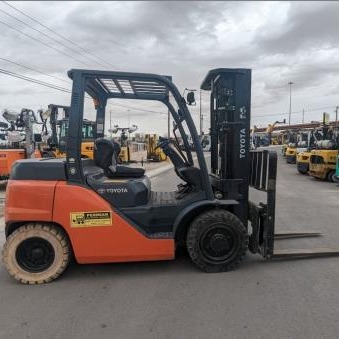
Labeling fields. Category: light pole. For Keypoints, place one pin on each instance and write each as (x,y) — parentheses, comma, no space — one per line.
(290,112)
(303,120)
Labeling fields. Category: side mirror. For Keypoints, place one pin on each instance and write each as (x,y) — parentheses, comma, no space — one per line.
(190,99)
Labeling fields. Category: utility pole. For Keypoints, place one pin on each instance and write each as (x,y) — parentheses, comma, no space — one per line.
(303,120)
(336,116)
(290,112)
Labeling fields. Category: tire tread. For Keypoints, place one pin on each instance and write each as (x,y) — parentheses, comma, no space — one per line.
(55,231)
(192,238)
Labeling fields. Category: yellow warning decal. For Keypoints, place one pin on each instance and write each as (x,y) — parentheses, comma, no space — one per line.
(88,219)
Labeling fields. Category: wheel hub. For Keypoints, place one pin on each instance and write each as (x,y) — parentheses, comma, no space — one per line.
(35,255)
(218,243)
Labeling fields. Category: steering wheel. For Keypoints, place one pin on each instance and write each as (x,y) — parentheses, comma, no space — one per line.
(177,160)
(176,145)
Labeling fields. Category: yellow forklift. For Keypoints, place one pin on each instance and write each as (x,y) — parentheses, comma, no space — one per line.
(56,142)
(154,153)
(301,140)
(130,150)
(290,149)
(323,159)
(303,157)
(291,153)
(287,139)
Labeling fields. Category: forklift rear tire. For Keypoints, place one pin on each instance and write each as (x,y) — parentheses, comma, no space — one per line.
(36,253)
(331,177)
(216,241)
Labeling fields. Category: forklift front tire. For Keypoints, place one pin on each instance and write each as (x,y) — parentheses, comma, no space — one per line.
(331,176)
(216,241)
(302,171)
(36,253)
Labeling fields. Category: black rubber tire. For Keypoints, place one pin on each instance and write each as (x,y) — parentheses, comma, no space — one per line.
(331,177)
(302,171)
(56,238)
(199,228)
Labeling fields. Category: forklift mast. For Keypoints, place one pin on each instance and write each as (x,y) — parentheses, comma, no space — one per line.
(230,102)
(234,167)
(53,121)
(26,120)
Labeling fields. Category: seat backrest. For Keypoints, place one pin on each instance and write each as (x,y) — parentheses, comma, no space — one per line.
(106,153)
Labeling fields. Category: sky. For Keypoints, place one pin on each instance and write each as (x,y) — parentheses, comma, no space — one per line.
(280,41)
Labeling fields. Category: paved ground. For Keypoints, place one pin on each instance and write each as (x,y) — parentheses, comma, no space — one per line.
(285,299)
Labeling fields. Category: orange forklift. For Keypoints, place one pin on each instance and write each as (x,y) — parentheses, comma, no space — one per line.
(20,140)
(101,212)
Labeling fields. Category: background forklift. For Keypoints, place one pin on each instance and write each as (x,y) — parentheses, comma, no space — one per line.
(21,141)
(130,150)
(57,141)
(303,157)
(297,140)
(324,157)
(288,141)
(154,153)
(104,212)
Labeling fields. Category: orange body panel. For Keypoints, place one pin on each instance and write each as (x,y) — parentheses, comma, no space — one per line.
(29,200)
(117,242)
(8,157)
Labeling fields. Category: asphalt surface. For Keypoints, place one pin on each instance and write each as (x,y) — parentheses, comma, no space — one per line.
(261,299)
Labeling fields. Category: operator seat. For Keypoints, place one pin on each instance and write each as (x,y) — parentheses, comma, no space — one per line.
(106,155)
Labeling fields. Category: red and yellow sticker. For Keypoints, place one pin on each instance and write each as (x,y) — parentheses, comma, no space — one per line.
(90,219)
